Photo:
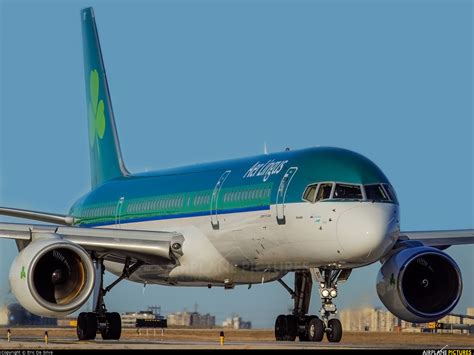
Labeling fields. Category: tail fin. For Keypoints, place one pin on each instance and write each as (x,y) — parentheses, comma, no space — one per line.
(105,156)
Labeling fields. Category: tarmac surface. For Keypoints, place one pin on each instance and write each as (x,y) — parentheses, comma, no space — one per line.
(64,338)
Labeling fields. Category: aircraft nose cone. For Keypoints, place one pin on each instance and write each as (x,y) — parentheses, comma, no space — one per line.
(367,232)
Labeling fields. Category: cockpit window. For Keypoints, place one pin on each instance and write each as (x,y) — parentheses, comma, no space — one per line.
(324,191)
(391,192)
(376,193)
(310,193)
(318,192)
(348,192)
(342,191)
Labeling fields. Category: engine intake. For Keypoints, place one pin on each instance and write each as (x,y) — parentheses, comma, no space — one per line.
(52,277)
(419,284)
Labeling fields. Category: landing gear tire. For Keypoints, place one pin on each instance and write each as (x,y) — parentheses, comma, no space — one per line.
(292,330)
(113,328)
(108,324)
(306,327)
(286,328)
(86,326)
(334,333)
(304,336)
(280,328)
(316,329)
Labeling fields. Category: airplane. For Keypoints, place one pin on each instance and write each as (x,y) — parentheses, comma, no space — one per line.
(318,213)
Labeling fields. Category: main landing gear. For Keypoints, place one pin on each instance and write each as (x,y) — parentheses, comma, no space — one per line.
(108,324)
(311,327)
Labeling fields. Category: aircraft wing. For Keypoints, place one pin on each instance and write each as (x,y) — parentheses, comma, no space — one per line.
(440,239)
(149,247)
(38,216)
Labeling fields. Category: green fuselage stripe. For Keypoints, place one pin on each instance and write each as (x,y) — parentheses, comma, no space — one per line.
(189,203)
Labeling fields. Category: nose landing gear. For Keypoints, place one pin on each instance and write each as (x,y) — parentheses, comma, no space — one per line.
(311,327)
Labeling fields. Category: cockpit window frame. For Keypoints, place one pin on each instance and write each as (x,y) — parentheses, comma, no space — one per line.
(391,199)
(389,190)
(318,185)
(388,200)
(333,184)
(306,189)
(362,192)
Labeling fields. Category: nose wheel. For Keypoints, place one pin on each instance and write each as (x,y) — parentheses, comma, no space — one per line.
(334,330)
(311,327)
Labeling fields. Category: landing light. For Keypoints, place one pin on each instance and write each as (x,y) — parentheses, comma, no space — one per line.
(333,293)
(325,293)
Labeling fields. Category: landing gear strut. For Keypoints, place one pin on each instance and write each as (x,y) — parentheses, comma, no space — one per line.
(109,324)
(311,327)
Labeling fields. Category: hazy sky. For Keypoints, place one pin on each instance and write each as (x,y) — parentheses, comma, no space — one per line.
(195,81)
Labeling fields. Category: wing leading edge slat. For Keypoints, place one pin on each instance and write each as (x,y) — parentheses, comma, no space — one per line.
(440,238)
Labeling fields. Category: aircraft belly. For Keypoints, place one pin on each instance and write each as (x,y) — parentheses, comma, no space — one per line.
(201,264)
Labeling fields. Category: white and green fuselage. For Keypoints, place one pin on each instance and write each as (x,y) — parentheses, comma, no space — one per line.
(243,217)
(244,220)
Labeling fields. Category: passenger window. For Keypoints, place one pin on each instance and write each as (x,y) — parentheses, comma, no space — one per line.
(347,192)
(375,193)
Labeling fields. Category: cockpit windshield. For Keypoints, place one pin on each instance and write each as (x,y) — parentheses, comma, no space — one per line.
(391,192)
(376,193)
(324,191)
(344,191)
(318,192)
(348,192)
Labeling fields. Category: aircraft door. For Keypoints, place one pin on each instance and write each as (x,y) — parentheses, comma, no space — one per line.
(215,200)
(118,212)
(281,194)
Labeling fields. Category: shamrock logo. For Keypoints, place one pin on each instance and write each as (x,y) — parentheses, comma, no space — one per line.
(96,109)
(22,273)
(392,279)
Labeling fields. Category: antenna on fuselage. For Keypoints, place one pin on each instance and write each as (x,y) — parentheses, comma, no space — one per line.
(265,150)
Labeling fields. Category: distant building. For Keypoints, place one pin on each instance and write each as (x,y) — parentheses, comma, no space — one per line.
(129,319)
(371,319)
(202,320)
(457,320)
(368,320)
(236,322)
(181,319)
(14,315)
(191,319)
